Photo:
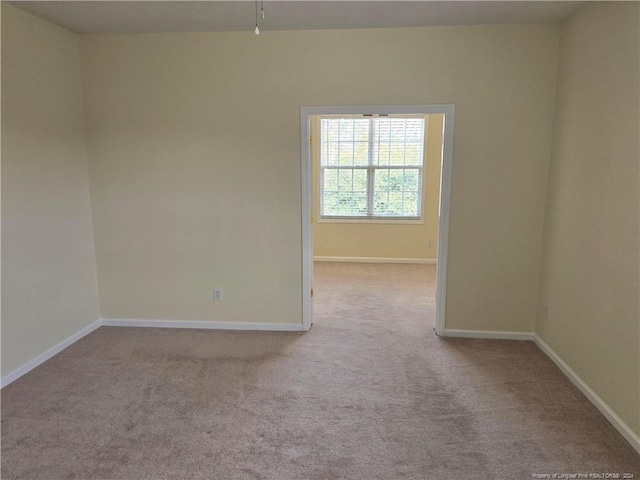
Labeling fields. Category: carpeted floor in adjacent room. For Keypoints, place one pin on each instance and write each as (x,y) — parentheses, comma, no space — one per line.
(369,393)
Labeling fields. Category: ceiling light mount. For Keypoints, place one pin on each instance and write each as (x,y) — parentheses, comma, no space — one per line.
(257,30)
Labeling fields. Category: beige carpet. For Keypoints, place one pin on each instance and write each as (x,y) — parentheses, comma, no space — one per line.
(369,393)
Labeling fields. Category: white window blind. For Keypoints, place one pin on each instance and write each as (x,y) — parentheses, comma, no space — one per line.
(371,167)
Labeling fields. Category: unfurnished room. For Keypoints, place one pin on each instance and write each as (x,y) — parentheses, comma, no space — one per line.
(320,240)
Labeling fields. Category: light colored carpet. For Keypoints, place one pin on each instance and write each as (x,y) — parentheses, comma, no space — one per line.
(369,393)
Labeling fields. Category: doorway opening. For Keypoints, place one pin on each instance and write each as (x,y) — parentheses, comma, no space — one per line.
(373,167)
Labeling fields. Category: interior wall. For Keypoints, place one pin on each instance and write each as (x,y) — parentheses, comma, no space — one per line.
(589,297)
(194,148)
(385,240)
(49,289)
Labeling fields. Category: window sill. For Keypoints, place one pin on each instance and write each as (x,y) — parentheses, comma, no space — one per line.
(388,221)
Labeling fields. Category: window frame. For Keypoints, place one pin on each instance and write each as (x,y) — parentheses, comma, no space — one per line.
(371,168)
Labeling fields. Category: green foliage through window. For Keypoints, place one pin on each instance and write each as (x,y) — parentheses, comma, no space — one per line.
(371,167)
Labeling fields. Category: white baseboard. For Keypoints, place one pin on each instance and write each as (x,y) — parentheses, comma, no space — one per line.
(202,324)
(43,357)
(488,334)
(602,407)
(430,261)
(127,322)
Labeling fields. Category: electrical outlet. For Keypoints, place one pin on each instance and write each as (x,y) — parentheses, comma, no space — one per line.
(431,243)
(217,294)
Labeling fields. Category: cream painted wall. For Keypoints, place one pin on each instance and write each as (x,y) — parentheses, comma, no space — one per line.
(590,274)
(191,191)
(49,289)
(384,240)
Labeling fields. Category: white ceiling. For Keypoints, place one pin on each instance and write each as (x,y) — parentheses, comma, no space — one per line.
(199,16)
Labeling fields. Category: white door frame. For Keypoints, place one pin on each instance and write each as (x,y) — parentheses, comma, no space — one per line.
(306,171)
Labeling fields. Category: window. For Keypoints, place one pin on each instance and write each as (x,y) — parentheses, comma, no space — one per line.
(371,167)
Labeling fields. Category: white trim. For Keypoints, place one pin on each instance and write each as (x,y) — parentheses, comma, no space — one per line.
(443,229)
(372,167)
(430,261)
(129,322)
(378,220)
(600,404)
(307,194)
(629,435)
(202,324)
(488,334)
(43,357)
(624,430)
